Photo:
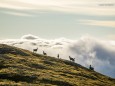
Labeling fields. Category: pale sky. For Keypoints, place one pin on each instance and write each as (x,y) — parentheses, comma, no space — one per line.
(57,18)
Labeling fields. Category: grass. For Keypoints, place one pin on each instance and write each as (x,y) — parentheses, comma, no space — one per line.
(21,67)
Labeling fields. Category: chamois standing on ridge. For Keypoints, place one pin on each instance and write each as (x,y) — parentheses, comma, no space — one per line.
(72,59)
(44,53)
(58,56)
(35,50)
(91,68)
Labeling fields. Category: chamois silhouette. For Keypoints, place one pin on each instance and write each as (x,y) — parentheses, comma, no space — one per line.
(35,50)
(58,56)
(72,59)
(44,53)
(91,68)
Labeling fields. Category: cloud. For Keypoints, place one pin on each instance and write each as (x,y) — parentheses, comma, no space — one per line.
(87,50)
(99,53)
(89,7)
(17,13)
(111,37)
(29,37)
(98,23)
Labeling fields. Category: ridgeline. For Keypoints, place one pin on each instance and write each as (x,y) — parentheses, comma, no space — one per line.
(19,67)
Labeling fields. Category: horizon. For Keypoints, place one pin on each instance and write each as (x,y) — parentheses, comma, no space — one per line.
(86,51)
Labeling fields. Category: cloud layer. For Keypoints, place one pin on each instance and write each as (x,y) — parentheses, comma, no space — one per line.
(86,51)
(98,23)
(89,7)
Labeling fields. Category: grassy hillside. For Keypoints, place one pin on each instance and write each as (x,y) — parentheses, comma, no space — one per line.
(20,67)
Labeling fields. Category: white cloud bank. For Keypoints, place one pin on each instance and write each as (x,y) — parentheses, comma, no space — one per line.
(89,7)
(86,51)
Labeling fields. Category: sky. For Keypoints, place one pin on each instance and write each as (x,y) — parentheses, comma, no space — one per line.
(57,18)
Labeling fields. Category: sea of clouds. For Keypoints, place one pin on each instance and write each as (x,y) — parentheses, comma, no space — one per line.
(87,50)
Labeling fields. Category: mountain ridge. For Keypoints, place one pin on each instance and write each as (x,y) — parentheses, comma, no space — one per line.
(22,67)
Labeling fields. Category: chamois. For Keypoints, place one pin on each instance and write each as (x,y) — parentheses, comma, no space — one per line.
(44,53)
(35,50)
(72,59)
(58,56)
(91,68)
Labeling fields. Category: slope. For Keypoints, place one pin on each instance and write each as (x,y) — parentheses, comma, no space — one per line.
(19,67)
